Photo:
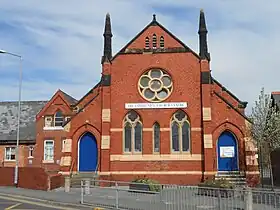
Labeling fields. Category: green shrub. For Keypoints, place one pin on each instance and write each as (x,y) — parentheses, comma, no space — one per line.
(153,184)
(220,183)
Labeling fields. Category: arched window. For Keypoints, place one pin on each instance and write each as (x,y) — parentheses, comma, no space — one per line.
(147,43)
(132,132)
(154,41)
(58,118)
(161,42)
(156,137)
(180,132)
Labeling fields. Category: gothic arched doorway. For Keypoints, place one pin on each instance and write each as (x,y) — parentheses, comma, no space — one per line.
(87,153)
(227,149)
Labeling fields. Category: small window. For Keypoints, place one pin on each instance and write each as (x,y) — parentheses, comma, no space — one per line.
(67,119)
(10,153)
(30,152)
(49,150)
(48,121)
(76,109)
(156,137)
(63,145)
(154,41)
(147,43)
(161,42)
(58,119)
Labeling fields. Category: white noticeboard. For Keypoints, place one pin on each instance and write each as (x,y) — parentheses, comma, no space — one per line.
(156,105)
(227,152)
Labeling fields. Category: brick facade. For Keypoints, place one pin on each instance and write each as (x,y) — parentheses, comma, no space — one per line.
(23,156)
(58,102)
(211,110)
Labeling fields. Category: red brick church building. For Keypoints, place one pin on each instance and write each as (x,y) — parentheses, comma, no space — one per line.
(156,112)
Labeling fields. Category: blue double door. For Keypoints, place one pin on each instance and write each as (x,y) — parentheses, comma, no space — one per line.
(88,153)
(227,152)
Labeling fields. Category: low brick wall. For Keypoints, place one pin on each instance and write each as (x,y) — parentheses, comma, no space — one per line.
(33,178)
(30,178)
(7,176)
(56,181)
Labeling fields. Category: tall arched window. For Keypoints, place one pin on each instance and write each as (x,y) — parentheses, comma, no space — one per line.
(132,133)
(180,132)
(154,41)
(147,43)
(156,137)
(58,118)
(161,42)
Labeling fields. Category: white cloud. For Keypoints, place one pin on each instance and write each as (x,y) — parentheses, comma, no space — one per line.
(67,36)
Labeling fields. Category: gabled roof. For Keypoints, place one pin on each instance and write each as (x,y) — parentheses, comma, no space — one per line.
(89,92)
(82,108)
(231,106)
(69,98)
(8,120)
(243,103)
(154,22)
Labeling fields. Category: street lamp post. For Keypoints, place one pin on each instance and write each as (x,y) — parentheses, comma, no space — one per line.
(19,110)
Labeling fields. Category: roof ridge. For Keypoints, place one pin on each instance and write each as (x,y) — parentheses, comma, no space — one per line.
(69,98)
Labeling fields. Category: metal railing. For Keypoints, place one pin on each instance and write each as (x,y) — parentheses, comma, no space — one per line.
(71,169)
(136,196)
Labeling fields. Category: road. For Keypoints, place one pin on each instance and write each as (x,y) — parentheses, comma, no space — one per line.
(7,203)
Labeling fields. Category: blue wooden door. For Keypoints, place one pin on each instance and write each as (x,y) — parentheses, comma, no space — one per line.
(88,153)
(227,152)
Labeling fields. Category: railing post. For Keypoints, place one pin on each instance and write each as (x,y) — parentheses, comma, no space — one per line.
(117,195)
(87,186)
(82,192)
(248,199)
(67,184)
(219,200)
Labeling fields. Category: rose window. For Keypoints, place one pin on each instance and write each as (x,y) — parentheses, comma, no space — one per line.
(155,85)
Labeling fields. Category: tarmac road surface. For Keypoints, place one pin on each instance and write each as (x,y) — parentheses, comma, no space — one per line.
(7,203)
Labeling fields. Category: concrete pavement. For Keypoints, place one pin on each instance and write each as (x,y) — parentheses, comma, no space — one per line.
(168,199)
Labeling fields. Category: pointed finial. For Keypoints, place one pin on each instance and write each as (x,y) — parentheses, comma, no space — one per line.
(202,23)
(107,40)
(107,29)
(154,17)
(203,47)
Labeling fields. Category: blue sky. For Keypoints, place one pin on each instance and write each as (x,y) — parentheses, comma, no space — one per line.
(61,41)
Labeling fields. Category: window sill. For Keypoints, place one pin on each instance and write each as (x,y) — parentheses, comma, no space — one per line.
(30,157)
(132,153)
(48,161)
(180,152)
(53,128)
(9,160)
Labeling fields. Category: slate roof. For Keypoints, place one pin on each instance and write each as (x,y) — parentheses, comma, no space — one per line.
(69,98)
(8,120)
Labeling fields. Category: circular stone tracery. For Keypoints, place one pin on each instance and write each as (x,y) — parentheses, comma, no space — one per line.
(155,85)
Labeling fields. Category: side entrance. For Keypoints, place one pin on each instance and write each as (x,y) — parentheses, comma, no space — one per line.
(87,153)
(227,150)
